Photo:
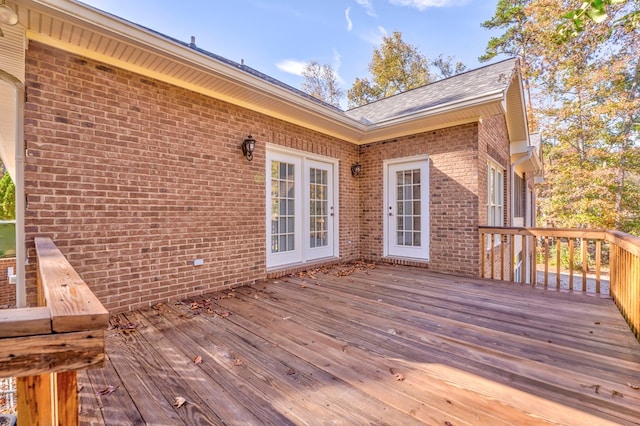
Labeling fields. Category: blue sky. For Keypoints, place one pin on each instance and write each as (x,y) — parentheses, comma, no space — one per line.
(277,37)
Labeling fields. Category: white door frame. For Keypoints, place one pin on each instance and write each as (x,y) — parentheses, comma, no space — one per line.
(304,161)
(422,162)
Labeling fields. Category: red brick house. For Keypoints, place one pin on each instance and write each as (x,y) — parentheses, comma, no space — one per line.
(125,147)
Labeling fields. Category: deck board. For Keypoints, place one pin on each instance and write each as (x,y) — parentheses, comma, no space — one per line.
(383,345)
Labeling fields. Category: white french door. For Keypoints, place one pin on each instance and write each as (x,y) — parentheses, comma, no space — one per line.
(407,208)
(301,211)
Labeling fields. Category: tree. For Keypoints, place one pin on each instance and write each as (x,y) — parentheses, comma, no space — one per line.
(445,66)
(573,21)
(321,82)
(511,16)
(7,198)
(396,66)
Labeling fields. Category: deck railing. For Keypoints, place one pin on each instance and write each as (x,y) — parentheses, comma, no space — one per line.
(44,346)
(570,252)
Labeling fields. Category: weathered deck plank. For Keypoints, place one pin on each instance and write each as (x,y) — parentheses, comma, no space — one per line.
(390,345)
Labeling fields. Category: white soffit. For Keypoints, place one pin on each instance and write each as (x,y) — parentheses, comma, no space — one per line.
(83,30)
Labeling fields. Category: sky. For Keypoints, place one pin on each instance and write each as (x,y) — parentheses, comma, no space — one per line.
(277,37)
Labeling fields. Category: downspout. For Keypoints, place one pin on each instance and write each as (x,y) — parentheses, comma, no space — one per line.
(21,291)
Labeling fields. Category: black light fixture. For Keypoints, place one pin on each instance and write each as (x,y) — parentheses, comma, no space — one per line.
(248,145)
(356,168)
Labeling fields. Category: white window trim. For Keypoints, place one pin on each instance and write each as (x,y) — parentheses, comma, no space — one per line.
(495,217)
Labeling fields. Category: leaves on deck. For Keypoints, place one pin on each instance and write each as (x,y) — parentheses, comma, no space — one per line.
(290,372)
(237,362)
(206,305)
(197,360)
(124,327)
(636,387)
(340,270)
(108,390)
(615,393)
(399,376)
(594,387)
(179,402)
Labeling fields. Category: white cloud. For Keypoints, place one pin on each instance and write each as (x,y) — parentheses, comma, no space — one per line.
(291,66)
(349,22)
(368,7)
(424,4)
(375,37)
(337,63)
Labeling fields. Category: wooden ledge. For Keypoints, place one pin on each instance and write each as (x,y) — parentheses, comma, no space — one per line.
(73,305)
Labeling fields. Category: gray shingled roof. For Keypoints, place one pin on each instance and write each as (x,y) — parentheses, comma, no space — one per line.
(459,88)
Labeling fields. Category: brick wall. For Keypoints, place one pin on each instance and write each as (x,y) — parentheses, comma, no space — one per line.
(7,291)
(492,137)
(453,195)
(134,179)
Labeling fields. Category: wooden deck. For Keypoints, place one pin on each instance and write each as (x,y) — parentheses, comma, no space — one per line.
(388,345)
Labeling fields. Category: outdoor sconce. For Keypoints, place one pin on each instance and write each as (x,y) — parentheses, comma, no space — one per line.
(248,145)
(356,169)
(7,16)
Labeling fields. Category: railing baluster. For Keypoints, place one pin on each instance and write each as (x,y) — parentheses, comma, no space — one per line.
(534,263)
(585,266)
(558,262)
(511,260)
(571,253)
(482,249)
(502,258)
(598,260)
(523,260)
(546,262)
(492,245)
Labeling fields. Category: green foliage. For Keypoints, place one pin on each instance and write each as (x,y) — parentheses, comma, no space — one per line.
(7,198)
(396,67)
(583,96)
(575,21)
(509,16)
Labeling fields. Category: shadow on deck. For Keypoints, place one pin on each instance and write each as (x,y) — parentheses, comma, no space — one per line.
(370,345)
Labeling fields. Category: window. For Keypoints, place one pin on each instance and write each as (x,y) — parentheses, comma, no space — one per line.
(495,197)
(518,196)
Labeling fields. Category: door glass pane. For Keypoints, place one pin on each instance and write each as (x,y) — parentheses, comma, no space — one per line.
(318,208)
(282,207)
(408,207)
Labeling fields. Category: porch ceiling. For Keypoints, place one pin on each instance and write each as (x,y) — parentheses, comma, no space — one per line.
(78,28)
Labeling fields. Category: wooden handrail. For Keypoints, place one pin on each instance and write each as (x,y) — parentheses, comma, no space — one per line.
(624,264)
(43,347)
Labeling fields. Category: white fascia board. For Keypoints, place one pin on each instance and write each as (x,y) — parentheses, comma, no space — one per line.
(129,32)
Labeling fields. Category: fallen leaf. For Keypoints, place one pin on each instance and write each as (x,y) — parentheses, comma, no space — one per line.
(179,402)
(636,387)
(291,372)
(107,391)
(197,359)
(595,387)
(615,393)
(448,423)
(399,376)
(237,362)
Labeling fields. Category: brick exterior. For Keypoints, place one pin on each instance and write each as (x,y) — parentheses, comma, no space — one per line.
(7,291)
(491,137)
(134,179)
(453,192)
